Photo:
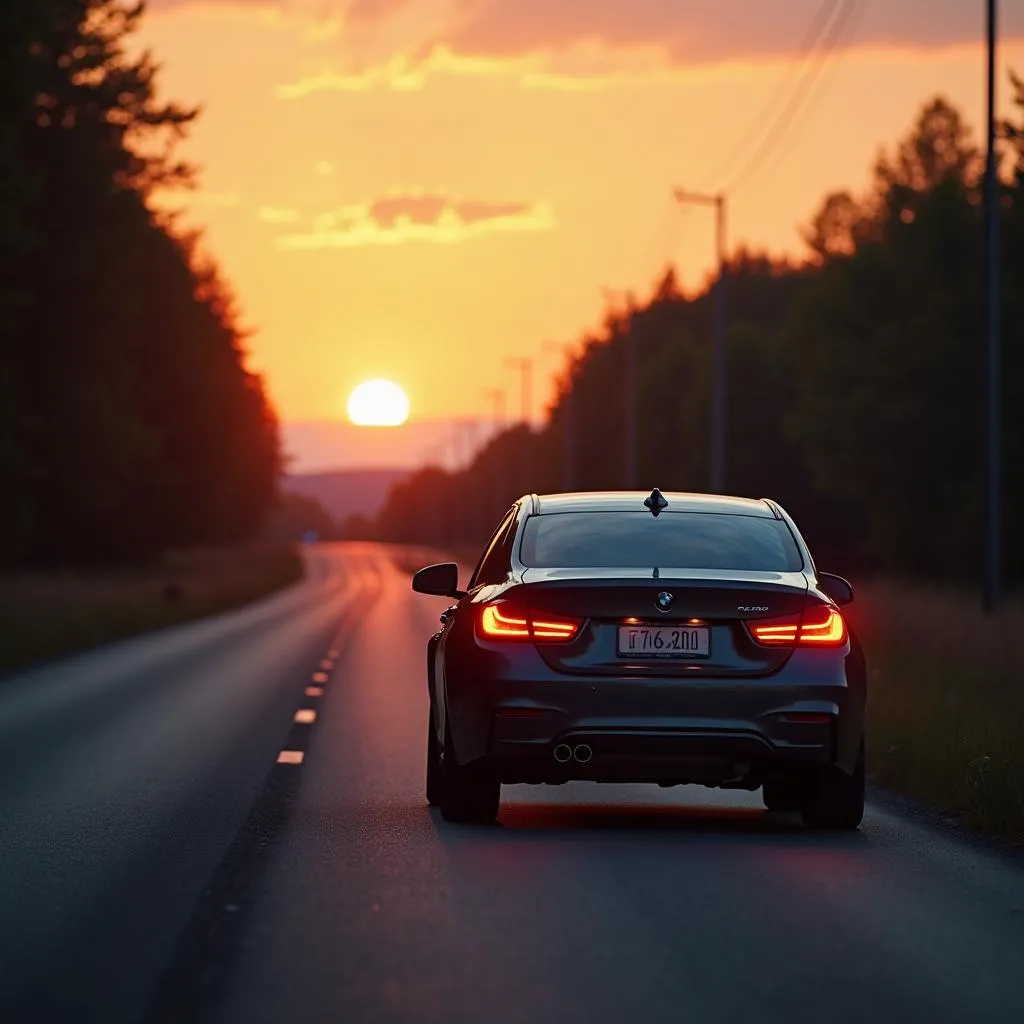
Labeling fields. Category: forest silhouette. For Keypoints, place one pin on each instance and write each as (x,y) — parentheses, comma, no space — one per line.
(129,423)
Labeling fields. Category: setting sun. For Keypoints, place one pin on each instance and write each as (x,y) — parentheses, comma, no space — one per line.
(378,403)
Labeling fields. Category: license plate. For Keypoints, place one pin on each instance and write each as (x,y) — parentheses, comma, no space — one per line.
(642,641)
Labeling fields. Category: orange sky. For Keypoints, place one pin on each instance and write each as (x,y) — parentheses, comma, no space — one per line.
(421,189)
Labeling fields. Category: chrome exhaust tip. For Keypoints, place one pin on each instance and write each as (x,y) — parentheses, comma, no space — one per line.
(583,753)
(563,752)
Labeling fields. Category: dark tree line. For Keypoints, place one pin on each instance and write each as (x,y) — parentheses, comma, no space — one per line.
(128,420)
(855,379)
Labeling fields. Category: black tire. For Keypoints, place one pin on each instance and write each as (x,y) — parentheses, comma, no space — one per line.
(786,793)
(433,763)
(469,792)
(836,800)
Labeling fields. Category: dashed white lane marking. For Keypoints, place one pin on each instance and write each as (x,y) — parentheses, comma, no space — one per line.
(307,716)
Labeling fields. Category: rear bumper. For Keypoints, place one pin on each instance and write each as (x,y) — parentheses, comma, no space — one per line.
(731,756)
(732,731)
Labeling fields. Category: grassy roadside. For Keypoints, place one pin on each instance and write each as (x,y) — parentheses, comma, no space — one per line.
(47,615)
(946,701)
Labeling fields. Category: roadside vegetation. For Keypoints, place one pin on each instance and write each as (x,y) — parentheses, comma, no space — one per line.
(946,701)
(139,454)
(130,422)
(45,615)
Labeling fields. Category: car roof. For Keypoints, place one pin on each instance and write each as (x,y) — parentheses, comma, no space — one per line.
(633,501)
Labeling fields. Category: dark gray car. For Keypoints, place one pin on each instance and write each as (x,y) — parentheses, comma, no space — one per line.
(634,637)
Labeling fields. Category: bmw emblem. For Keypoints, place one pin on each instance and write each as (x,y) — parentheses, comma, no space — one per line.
(664,601)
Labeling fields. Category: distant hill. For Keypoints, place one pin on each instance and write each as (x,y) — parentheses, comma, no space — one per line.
(321,447)
(345,492)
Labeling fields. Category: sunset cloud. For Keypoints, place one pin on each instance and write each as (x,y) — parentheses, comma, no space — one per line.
(403,72)
(395,74)
(277,215)
(686,34)
(426,217)
(592,44)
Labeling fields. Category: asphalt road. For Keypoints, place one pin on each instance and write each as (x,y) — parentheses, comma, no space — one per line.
(158,863)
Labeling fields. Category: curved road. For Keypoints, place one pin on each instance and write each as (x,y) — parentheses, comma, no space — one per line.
(163,860)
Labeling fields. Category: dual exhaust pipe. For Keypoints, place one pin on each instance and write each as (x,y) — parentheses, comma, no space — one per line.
(581,752)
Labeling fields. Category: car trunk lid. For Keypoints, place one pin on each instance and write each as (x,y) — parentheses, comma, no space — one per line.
(670,621)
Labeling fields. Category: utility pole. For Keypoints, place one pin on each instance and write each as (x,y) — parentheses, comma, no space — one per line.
(718,385)
(629,434)
(496,396)
(569,442)
(525,367)
(568,418)
(993,462)
(455,505)
(472,496)
(499,470)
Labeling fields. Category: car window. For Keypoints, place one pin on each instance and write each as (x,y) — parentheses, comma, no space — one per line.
(494,565)
(682,540)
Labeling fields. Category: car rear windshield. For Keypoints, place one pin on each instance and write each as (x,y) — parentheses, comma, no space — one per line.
(681,540)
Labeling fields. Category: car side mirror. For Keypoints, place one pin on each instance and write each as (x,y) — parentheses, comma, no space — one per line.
(836,587)
(441,580)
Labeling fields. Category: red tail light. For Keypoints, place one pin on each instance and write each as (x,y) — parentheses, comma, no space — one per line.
(499,622)
(502,626)
(822,626)
(775,632)
(555,629)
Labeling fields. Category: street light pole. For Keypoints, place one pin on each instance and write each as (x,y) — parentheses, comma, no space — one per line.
(525,367)
(568,403)
(497,400)
(472,494)
(718,383)
(499,471)
(629,435)
(993,466)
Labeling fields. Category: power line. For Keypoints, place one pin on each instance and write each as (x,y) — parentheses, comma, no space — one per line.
(808,44)
(782,123)
(812,47)
(815,97)
(787,115)
(525,367)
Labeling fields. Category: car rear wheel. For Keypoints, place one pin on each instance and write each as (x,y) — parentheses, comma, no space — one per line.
(433,763)
(836,800)
(469,792)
